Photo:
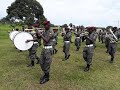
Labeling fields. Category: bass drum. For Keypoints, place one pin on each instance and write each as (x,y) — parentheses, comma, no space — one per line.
(20,41)
(13,34)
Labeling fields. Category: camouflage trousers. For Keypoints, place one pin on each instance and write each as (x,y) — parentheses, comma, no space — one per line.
(33,52)
(66,48)
(46,59)
(77,42)
(88,54)
(112,48)
(107,44)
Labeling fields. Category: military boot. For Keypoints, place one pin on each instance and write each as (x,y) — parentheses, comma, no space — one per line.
(68,56)
(45,78)
(31,64)
(37,60)
(87,68)
(77,49)
(112,59)
(65,57)
(56,51)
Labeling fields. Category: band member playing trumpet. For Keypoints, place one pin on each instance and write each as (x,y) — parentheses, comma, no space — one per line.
(47,51)
(33,49)
(89,47)
(113,43)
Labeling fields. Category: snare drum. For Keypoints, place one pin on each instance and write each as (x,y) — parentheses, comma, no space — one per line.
(20,41)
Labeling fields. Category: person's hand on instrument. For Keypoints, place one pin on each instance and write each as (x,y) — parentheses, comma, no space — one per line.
(27,41)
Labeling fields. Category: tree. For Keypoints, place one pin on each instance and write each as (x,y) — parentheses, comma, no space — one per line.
(28,11)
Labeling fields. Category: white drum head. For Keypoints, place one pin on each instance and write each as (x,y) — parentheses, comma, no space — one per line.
(12,34)
(20,41)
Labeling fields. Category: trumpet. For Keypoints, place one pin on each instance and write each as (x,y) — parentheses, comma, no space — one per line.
(28,30)
(35,30)
(84,34)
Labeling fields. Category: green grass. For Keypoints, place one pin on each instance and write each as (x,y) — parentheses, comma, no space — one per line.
(65,75)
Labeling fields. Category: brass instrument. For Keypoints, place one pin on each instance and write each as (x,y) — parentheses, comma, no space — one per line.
(84,34)
(40,30)
(28,30)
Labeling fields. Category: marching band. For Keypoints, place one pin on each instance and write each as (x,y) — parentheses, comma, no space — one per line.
(89,35)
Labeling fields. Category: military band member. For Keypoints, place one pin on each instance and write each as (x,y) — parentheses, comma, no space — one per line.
(33,50)
(46,53)
(113,44)
(66,36)
(77,38)
(89,47)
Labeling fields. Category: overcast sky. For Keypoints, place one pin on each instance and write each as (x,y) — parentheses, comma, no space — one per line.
(78,12)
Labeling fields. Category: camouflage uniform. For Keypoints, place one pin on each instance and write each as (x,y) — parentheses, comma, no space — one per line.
(66,46)
(112,46)
(89,50)
(33,51)
(46,53)
(77,39)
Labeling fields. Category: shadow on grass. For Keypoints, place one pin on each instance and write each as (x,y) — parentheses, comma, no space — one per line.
(81,68)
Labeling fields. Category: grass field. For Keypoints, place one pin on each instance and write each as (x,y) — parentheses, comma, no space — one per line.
(65,75)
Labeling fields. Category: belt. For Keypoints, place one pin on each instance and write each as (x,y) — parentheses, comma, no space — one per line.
(89,45)
(77,37)
(35,42)
(66,41)
(47,47)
